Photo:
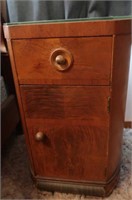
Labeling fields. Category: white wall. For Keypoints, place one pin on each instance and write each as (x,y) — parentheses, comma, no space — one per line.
(128,114)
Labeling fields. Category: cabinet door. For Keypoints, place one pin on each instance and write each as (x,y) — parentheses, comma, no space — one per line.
(74,124)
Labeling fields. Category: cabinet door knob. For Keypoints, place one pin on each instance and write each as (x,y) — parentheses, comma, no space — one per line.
(39,136)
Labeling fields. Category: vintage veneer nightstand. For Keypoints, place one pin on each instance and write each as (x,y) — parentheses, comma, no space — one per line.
(71,83)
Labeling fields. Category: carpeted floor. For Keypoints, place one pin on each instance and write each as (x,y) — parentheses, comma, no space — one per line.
(17,183)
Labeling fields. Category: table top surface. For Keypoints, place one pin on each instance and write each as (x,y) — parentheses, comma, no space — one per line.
(110,18)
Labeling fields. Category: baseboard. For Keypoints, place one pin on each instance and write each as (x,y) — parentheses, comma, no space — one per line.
(128,124)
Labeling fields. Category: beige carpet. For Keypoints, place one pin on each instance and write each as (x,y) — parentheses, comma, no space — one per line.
(17,183)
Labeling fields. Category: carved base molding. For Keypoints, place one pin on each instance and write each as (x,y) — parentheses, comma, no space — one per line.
(100,189)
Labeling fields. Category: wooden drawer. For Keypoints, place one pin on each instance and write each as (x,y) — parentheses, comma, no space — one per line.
(67,102)
(90,60)
(72,151)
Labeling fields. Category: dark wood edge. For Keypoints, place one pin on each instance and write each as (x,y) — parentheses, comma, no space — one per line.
(68,29)
(101,189)
(128,124)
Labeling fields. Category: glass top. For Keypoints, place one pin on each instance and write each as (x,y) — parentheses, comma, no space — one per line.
(70,20)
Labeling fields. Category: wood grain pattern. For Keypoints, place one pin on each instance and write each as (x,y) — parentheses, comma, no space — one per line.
(121,58)
(82,137)
(63,154)
(92,67)
(71,29)
(72,122)
(67,102)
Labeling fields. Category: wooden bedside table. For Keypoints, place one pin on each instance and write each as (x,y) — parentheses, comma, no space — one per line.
(71,84)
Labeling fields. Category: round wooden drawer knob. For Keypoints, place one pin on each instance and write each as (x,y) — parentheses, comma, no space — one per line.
(39,136)
(61,59)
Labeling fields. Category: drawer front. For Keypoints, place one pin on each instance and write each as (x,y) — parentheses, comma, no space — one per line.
(66,102)
(73,122)
(64,60)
